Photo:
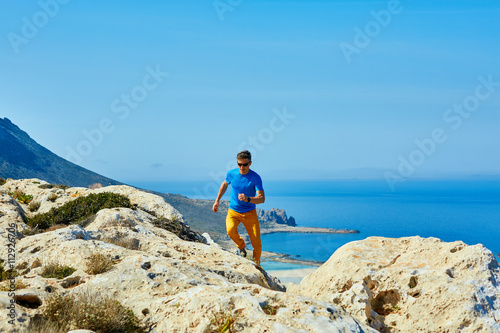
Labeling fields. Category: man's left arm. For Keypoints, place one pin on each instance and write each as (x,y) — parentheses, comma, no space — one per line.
(260,198)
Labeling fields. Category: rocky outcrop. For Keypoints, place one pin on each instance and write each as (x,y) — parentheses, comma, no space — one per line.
(275,216)
(412,285)
(171,285)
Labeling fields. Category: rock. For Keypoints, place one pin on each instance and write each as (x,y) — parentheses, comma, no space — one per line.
(412,284)
(148,202)
(252,308)
(171,285)
(275,215)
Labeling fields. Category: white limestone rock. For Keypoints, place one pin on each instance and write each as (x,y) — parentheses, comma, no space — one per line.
(412,284)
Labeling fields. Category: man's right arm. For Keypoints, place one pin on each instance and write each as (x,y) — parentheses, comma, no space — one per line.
(222,190)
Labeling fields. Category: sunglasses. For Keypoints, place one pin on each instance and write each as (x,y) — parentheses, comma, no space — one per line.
(243,164)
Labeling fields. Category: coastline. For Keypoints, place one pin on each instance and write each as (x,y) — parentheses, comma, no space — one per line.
(289,229)
(289,259)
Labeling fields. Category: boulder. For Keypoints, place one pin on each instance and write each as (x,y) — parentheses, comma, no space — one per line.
(412,284)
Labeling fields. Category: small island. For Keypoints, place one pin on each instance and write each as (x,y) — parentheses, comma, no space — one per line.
(276,220)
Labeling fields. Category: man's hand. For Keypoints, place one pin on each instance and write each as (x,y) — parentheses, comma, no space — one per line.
(242,197)
(215,208)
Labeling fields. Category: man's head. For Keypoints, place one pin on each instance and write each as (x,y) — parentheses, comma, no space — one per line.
(244,159)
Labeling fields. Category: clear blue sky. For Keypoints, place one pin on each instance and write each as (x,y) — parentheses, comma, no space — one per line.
(316,89)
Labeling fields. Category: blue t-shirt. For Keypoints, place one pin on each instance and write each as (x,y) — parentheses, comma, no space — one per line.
(248,184)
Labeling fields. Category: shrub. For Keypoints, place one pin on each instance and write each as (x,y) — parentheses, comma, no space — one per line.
(223,320)
(98,263)
(130,243)
(270,309)
(78,210)
(90,310)
(56,270)
(53,197)
(7,274)
(34,206)
(18,285)
(21,197)
(2,181)
(47,186)
(178,228)
(95,186)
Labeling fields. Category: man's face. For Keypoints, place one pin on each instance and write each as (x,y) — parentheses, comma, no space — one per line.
(244,165)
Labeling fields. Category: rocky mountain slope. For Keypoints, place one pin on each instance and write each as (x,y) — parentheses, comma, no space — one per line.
(22,157)
(168,284)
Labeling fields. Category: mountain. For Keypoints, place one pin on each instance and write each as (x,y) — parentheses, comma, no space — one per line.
(21,157)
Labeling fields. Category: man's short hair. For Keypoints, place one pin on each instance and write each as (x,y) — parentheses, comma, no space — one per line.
(245,154)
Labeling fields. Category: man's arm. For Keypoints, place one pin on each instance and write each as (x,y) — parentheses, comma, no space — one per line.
(222,190)
(260,198)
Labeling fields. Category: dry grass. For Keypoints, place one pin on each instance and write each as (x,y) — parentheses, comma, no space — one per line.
(34,206)
(223,320)
(17,286)
(98,263)
(120,239)
(91,310)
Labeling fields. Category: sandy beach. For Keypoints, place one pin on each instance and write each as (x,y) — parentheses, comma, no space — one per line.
(292,275)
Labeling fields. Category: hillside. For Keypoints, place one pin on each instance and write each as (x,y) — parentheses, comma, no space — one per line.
(23,157)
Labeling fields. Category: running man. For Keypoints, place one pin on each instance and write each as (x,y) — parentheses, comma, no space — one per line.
(247,192)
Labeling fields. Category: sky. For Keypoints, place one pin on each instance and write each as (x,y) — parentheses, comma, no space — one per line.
(172,90)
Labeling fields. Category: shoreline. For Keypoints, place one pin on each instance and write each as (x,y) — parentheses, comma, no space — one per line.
(288,259)
(306,230)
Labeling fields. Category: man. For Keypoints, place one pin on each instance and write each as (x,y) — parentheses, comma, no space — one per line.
(247,192)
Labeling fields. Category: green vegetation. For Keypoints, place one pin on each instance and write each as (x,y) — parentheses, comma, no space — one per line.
(79,210)
(53,197)
(21,197)
(7,274)
(56,270)
(34,206)
(2,181)
(178,228)
(89,310)
(17,286)
(270,310)
(98,263)
(47,186)
(120,239)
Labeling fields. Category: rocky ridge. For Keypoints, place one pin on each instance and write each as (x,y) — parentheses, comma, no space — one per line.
(171,285)
(23,157)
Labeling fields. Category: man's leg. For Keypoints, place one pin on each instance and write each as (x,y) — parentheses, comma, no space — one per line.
(232,221)
(251,223)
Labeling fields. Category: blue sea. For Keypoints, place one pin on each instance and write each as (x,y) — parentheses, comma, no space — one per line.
(466,210)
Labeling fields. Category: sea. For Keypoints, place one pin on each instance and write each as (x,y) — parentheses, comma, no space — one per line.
(451,210)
